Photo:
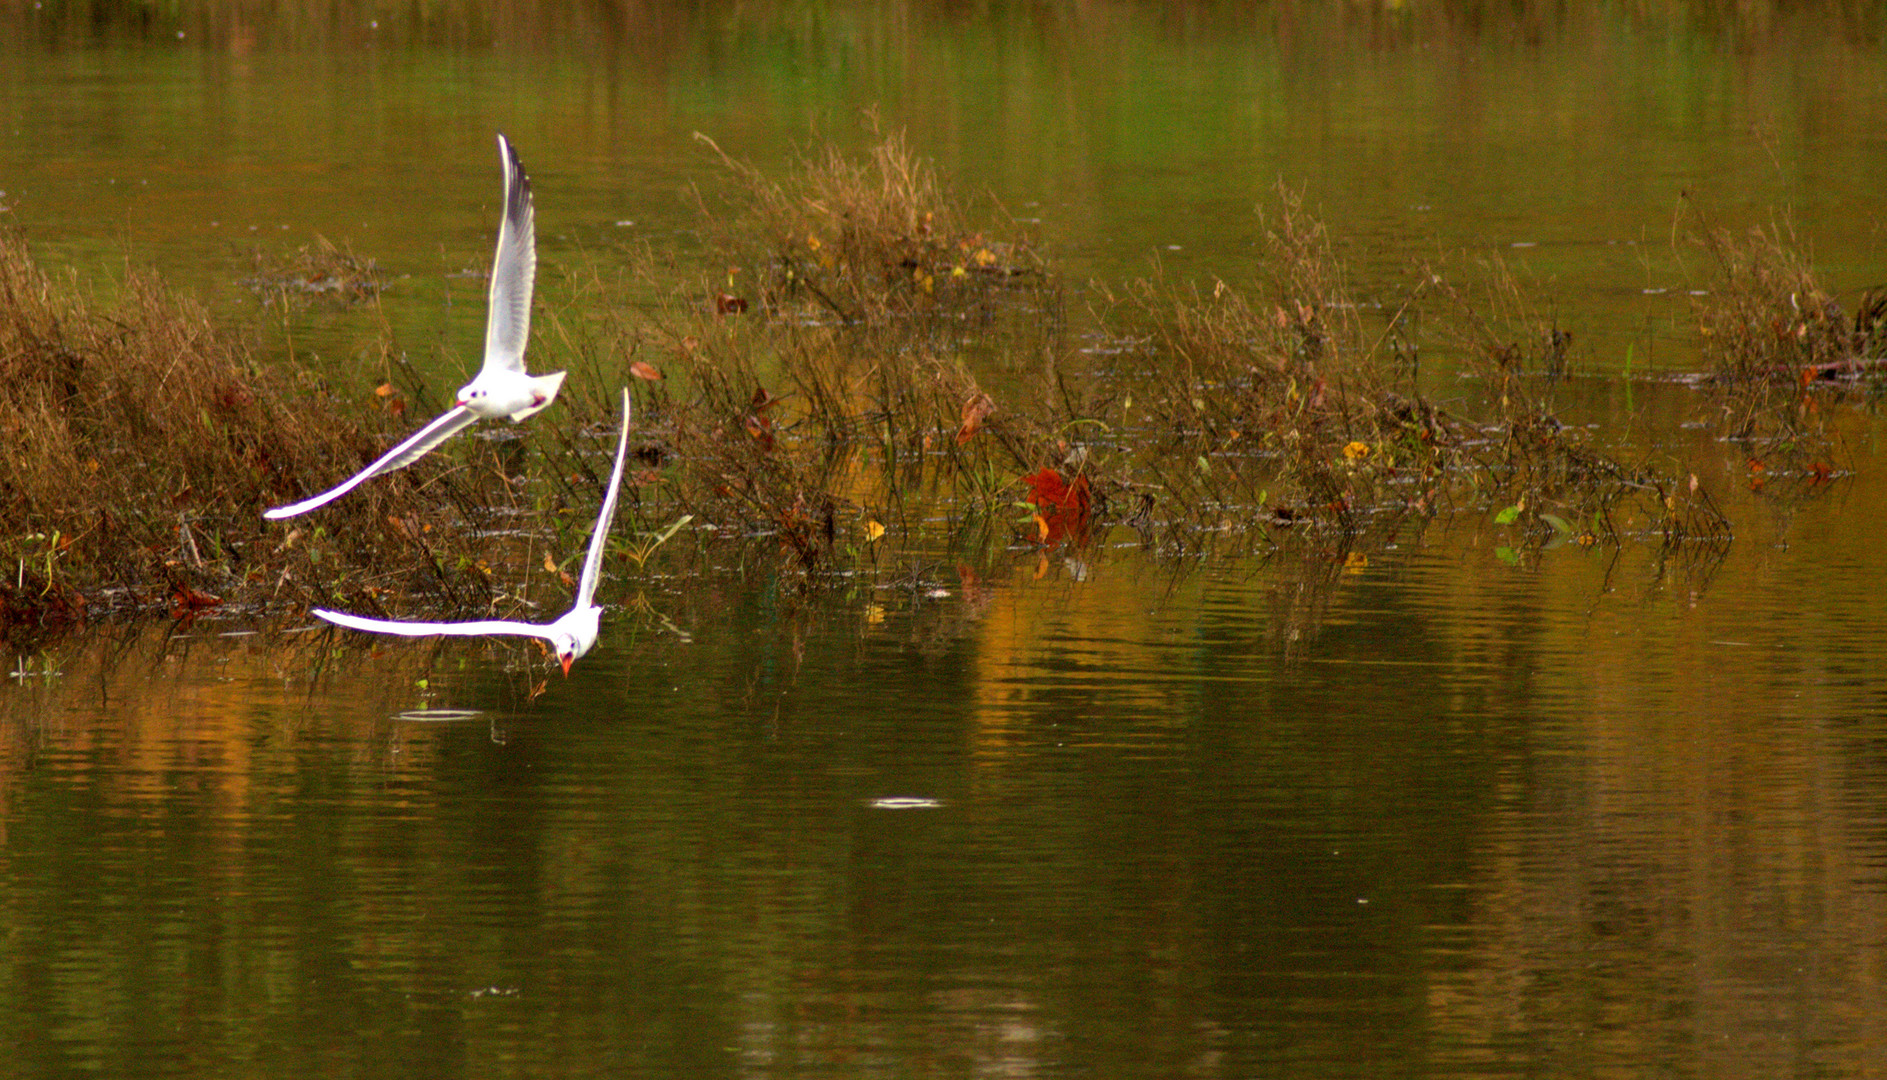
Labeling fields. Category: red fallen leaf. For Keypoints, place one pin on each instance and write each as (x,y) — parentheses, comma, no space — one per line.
(1047,489)
(1820,472)
(1063,507)
(763,399)
(729,304)
(185,600)
(975,411)
(646,371)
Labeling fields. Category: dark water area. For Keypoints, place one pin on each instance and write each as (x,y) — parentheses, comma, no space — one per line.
(1464,807)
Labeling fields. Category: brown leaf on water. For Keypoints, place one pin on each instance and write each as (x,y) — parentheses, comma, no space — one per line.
(976,410)
(646,371)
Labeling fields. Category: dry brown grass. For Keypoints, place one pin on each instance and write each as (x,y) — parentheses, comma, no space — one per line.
(823,392)
(141,445)
(1780,352)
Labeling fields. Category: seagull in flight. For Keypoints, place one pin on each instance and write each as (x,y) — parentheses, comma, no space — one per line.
(503,387)
(574,632)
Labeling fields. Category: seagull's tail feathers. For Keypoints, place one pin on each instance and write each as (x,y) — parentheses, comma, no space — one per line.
(546,385)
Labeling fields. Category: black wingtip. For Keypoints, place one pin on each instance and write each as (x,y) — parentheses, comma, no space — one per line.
(520,193)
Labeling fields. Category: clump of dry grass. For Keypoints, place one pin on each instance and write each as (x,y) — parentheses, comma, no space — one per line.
(140,447)
(316,270)
(1274,403)
(1774,341)
(866,240)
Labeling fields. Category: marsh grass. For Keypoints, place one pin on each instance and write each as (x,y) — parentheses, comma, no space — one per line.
(811,407)
(141,444)
(1780,351)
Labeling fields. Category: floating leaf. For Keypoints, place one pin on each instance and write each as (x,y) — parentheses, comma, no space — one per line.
(1508,516)
(646,371)
(873,530)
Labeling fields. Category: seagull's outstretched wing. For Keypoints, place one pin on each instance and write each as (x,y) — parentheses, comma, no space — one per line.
(599,539)
(428,629)
(513,271)
(449,423)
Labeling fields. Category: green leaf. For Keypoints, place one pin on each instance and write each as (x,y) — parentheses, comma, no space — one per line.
(1508,516)
(1559,524)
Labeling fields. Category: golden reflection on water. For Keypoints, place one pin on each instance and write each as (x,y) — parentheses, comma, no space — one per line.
(1583,812)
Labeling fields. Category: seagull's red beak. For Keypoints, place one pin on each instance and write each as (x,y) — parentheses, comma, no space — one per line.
(565,659)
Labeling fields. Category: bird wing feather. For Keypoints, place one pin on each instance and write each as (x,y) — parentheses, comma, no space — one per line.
(605,516)
(427,629)
(416,446)
(513,271)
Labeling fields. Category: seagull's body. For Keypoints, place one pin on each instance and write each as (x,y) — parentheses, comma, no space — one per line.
(503,387)
(573,633)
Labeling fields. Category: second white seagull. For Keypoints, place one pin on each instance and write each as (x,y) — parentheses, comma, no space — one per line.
(503,387)
(574,633)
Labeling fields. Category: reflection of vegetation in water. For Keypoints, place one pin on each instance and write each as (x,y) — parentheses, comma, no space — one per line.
(1382,24)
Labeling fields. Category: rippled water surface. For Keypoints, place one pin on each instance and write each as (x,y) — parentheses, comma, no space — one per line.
(1446,811)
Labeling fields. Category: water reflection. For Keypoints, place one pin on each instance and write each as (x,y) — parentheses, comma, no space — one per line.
(1470,818)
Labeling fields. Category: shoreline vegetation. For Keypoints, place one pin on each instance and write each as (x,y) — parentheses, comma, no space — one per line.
(867,369)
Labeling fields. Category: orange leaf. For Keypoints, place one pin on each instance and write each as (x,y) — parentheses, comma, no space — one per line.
(645,371)
(975,411)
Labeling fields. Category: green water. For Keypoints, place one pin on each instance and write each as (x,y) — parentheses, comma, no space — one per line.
(1448,812)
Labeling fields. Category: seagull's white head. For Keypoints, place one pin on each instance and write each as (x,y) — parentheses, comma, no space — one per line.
(472,395)
(568,648)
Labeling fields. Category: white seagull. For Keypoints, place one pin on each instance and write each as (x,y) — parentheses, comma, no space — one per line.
(574,632)
(502,387)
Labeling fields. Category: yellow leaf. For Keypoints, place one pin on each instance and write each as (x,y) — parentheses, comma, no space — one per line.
(1356,451)
(873,530)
